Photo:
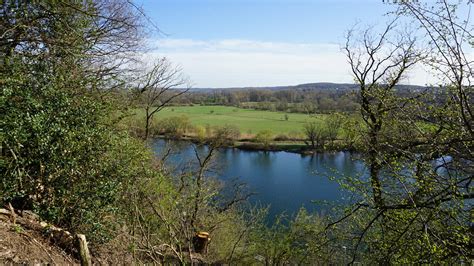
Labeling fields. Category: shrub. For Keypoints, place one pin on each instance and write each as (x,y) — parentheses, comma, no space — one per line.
(226,134)
(295,135)
(174,126)
(282,137)
(60,158)
(264,137)
(200,133)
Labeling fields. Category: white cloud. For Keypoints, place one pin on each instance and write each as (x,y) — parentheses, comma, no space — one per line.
(241,46)
(237,63)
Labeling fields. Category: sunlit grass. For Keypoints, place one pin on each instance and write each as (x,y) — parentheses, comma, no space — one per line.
(247,120)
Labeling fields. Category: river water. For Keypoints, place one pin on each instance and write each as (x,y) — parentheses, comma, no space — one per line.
(285,181)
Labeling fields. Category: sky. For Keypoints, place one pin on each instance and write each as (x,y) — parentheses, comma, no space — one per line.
(245,43)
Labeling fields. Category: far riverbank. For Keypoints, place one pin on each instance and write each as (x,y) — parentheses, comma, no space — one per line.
(293,146)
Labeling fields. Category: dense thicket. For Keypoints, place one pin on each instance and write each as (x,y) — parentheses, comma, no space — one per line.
(60,154)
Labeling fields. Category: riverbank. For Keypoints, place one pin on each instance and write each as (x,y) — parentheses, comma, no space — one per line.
(293,146)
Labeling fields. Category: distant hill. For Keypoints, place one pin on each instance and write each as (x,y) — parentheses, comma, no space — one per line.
(306,87)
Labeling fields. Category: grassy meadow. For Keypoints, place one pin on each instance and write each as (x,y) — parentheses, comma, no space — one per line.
(249,121)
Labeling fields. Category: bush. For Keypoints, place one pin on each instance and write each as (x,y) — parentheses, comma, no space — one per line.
(288,240)
(60,158)
(264,137)
(295,135)
(174,126)
(200,133)
(226,134)
(282,137)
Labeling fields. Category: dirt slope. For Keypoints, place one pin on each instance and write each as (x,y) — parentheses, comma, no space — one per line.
(21,245)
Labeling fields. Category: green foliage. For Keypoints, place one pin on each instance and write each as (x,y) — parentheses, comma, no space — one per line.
(416,201)
(60,155)
(162,212)
(174,126)
(60,158)
(300,240)
(317,98)
(316,134)
(201,133)
(17,228)
(63,157)
(333,125)
(226,134)
(264,137)
(351,132)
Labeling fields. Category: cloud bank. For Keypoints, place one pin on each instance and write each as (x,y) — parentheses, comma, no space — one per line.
(241,63)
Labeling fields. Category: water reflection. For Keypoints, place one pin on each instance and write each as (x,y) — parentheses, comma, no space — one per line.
(284,180)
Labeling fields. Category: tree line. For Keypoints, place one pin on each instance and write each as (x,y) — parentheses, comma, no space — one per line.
(287,100)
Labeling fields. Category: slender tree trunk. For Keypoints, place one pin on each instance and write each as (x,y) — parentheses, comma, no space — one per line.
(147,124)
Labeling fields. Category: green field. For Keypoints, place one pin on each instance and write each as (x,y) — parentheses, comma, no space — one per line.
(249,121)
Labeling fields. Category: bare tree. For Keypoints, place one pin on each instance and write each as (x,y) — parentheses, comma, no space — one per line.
(97,39)
(378,64)
(165,222)
(159,87)
(449,38)
(310,129)
(316,133)
(404,134)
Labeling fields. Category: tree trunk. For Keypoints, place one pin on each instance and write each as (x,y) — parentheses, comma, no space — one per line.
(147,124)
(84,255)
(374,168)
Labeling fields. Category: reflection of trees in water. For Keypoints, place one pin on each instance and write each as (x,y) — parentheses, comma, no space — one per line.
(318,165)
(264,159)
(229,159)
(341,160)
(230,163)
(333,165)
(228,156)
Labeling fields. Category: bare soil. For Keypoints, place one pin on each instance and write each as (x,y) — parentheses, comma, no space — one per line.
(20,245)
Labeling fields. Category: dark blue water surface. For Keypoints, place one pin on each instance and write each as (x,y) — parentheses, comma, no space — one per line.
(285,181)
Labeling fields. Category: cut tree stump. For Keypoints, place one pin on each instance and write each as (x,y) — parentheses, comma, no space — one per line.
(200,242)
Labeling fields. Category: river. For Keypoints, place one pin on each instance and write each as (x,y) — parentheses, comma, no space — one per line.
(285,181)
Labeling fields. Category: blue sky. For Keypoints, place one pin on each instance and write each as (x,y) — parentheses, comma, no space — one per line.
(229,43)
(264,20)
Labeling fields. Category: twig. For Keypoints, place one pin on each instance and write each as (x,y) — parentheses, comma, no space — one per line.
(33,240)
